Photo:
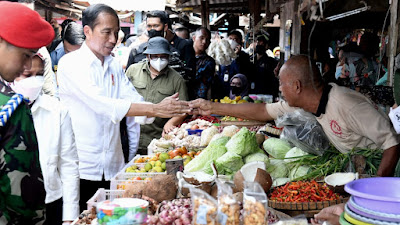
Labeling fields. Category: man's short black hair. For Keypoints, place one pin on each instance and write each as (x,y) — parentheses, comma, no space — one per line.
(89,16)
(205,29)
(237,33)
(262,38)
(162,15)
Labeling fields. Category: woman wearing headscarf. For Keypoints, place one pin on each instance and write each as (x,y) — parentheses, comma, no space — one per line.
(239,86)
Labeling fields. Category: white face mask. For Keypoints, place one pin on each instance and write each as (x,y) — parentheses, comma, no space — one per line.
(29,87)
(159,64)
(233,43)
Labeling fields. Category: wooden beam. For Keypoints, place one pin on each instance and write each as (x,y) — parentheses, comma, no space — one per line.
(255,9)
(59,11)
(393,35)
(205,14)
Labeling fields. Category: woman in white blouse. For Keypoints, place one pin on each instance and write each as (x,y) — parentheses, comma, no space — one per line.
(57,150)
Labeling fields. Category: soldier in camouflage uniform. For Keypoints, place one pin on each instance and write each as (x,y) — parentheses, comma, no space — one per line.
(22,191)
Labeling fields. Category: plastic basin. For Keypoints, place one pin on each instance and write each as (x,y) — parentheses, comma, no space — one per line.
(194,132)
(379,193)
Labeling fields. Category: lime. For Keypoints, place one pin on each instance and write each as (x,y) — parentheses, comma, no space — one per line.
(158,163)
(163,165)
(163,156)
(148,167)
(158,169)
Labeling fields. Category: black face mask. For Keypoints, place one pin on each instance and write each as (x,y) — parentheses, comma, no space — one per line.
(260,49)
(236,90)
(156,33)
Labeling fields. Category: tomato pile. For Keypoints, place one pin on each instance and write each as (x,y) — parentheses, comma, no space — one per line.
(303,191)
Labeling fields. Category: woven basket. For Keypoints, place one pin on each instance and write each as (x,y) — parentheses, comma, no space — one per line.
(305,205)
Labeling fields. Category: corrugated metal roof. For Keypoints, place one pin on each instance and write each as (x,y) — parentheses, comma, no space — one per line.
(217,5)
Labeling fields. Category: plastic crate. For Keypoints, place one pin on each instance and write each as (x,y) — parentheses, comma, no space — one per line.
(130,163)
(102,195)
(119,181)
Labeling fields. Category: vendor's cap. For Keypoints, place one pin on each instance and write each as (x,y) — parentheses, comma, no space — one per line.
(158,45)
(23,27)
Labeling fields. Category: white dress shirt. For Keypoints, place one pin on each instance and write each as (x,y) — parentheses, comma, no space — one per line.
(97,97)
(57,153)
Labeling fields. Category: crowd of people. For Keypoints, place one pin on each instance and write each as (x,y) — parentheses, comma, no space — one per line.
(79,103)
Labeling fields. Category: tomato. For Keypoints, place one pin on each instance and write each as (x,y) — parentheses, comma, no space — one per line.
(194,127)
(173,153)
(182,151)
(136,178)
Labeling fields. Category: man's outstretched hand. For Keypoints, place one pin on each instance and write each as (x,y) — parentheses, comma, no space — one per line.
(200,107)
(170,107)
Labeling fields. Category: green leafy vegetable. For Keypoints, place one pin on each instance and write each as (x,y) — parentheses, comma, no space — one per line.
(243,142)
(229,163)
(293,154)
(277,168)
(213,151)
(276,147)
(297,172)
(262,157)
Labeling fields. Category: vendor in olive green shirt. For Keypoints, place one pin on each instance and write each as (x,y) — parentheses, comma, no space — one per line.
(155,80)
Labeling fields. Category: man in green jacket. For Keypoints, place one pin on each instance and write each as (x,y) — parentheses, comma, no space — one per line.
(22,191)
(155,80)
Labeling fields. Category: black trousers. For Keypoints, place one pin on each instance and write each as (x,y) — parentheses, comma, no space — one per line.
(54,213)
(88,189)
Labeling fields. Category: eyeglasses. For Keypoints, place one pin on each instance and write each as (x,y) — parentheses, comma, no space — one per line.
(162,57)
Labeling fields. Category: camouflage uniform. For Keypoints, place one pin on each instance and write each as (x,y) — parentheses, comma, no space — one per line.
(22,191)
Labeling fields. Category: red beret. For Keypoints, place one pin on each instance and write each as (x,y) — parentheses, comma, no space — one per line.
(23,27)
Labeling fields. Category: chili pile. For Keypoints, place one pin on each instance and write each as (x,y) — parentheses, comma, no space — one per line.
(303,191)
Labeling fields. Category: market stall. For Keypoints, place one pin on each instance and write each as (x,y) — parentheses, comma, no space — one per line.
(204,172)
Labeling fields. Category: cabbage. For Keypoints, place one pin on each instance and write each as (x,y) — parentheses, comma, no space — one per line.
(294,154)
(298,172)
(229,131)
(276,147)
(280,181)
(213,151)
(207,135)
(229,163)
(262,157)
(243,143)
(277,168)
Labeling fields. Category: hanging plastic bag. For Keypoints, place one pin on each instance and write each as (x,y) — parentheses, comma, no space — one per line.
(303,131)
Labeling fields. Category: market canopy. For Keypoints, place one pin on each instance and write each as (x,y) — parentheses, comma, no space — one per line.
(132,5)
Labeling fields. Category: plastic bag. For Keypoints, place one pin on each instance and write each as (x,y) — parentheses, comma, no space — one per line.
(228,207)
(205,207)
(303,130)
(255,204)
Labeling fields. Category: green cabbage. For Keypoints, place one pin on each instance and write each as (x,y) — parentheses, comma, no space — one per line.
(276,147)
(213,151)
(294,154)
(243,143)
(262,157)
(277,168)
(229,163)
(298,172)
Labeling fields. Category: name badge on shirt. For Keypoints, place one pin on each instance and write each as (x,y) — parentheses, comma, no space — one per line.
(112,79)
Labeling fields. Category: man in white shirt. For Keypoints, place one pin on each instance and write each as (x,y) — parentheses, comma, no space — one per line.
(98,95)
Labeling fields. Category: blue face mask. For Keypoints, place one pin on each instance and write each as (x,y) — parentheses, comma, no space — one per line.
(338,71)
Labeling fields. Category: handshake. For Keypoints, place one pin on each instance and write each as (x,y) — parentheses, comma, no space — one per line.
(172,106)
